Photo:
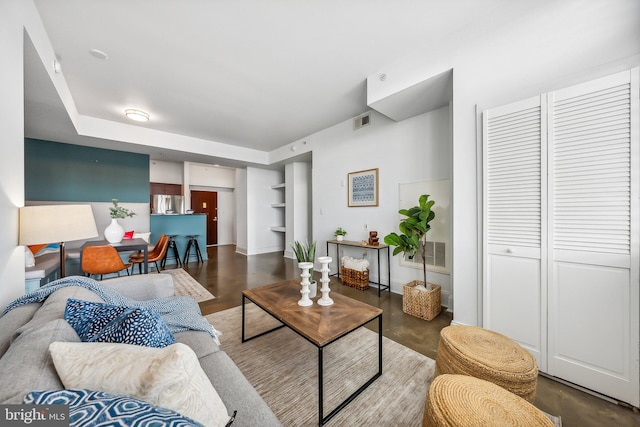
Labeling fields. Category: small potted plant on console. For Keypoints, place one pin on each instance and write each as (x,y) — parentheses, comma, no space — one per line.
(340,233)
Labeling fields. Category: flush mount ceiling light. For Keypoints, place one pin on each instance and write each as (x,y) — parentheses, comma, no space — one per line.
(99,54)
(137,115)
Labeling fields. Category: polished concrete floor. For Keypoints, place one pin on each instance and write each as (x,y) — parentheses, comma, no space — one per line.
(226,274)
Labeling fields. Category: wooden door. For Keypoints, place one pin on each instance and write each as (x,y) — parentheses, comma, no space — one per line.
(206,202)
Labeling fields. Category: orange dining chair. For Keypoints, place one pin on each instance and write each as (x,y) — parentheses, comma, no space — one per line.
(102,260)
(154,255)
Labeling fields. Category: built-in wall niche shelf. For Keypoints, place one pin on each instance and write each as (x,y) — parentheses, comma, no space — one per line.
(278,228)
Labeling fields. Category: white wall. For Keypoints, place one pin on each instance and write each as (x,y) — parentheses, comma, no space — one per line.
(260,215)
(226,216)
(551,47)
(211,176)
(165,172)
(16,18)
(298,205)
(241,211)
(13,14)
(416,149)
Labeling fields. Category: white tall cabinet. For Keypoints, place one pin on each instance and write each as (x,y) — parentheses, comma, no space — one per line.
(561,231)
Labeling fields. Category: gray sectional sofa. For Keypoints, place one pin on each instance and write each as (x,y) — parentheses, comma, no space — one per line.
(27,331)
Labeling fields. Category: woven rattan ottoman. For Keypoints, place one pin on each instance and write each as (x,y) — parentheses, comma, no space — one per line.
(460,400)
(488,355)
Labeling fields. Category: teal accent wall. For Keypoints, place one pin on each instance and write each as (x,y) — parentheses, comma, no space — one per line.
(72,173)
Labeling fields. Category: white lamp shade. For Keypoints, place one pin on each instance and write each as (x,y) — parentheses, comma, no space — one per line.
(56,223)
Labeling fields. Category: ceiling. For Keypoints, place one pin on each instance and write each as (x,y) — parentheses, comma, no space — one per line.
(249,73)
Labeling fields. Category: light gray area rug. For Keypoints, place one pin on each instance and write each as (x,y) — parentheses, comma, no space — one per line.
(185,285)
(283,367)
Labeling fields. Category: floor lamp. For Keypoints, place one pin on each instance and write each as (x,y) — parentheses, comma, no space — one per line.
(56,224)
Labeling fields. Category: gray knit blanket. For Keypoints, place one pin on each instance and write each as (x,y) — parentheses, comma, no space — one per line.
(180,313)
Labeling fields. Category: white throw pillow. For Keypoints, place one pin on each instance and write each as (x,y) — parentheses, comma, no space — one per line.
(143,236)
(169,377)
(29,259)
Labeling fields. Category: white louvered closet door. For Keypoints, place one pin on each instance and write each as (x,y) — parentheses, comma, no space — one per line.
(593,222)
(561,231)
(514,227)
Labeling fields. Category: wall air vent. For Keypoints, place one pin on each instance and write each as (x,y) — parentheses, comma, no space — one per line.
(436,258)
(362,121)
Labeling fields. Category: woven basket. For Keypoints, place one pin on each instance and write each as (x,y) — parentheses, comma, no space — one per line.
(460,400)
(488,355)
(419,303)
(355,279)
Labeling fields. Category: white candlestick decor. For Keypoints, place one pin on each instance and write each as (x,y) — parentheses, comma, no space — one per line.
(324,262)
(305,267)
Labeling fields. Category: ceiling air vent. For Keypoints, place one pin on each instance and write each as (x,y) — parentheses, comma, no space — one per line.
(362,121)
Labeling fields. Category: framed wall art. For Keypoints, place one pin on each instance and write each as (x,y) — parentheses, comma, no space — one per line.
(363,188)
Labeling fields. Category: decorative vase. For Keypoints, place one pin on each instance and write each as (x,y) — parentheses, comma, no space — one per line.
(340,238)
(325,300)
(114,232)
(313,289)
(305,267)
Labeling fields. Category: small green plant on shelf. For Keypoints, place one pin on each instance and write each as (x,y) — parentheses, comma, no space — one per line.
(340,232)
(305,253)
(118,211)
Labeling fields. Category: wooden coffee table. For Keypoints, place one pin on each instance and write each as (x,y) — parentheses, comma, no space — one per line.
(320,325)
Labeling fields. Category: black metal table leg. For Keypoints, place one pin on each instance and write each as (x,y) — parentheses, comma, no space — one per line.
(244,339)
(320,388)
(324,420)
(186,252)
(338,259)
(379,278)
(380,345)
(198,253)
(389,267)
(243,313)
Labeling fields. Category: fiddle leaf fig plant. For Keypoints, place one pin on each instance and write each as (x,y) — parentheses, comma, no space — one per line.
(413,231)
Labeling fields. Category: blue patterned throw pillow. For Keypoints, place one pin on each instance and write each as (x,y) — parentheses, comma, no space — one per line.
(99,322)
(98,408)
